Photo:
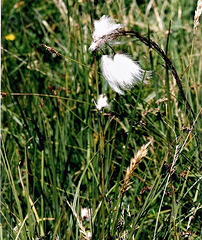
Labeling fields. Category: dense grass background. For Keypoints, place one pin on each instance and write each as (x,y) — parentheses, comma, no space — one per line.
(50,149)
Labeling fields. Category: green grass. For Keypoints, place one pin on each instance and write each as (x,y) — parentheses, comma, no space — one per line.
(51,134)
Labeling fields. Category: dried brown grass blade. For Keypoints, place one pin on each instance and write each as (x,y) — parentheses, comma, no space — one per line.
(133,165)
(197,15)
(81,227)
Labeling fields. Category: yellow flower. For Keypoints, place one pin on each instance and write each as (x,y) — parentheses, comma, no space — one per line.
(10,37)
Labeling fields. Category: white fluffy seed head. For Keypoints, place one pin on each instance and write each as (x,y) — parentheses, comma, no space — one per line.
(122,72)
(104,27)
(104,30)
(102,102)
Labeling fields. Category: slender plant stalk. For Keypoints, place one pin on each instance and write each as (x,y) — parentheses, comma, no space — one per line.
(169,63)
(119,201)
(169,117)
(42,187)
(26,191)
(160,51)
(102,173)
(129,133)
(169,120)
(1,233)
(178,151)
(32,204)
(14,190)
(152,68)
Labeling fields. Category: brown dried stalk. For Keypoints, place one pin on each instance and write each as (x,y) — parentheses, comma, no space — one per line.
(133,165)
(197,15)
(81,227)
(160,51)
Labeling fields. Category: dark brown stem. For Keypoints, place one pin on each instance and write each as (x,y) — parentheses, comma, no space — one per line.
(160,51)
(110,47)
(169,63)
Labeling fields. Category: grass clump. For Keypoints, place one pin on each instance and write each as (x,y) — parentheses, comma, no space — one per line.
(71,171)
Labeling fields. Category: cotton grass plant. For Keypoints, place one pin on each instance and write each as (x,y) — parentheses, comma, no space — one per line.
(71,141)
(121,72)
(102,102)
(105,30)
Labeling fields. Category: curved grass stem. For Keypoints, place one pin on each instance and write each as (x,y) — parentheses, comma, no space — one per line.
(169,64)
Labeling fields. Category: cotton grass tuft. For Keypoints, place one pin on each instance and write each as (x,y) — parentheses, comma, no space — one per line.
(121,72)
(104,29)
(102,102)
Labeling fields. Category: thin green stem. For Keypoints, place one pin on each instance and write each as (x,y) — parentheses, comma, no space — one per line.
(169,120)
(42,187)
(1,233)
(129,134)
(102,173)
(118,203)
(167,76)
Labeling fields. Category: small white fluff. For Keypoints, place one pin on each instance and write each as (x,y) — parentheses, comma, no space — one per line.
(103,31)
(86,213)
(121,72)
(102,102)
